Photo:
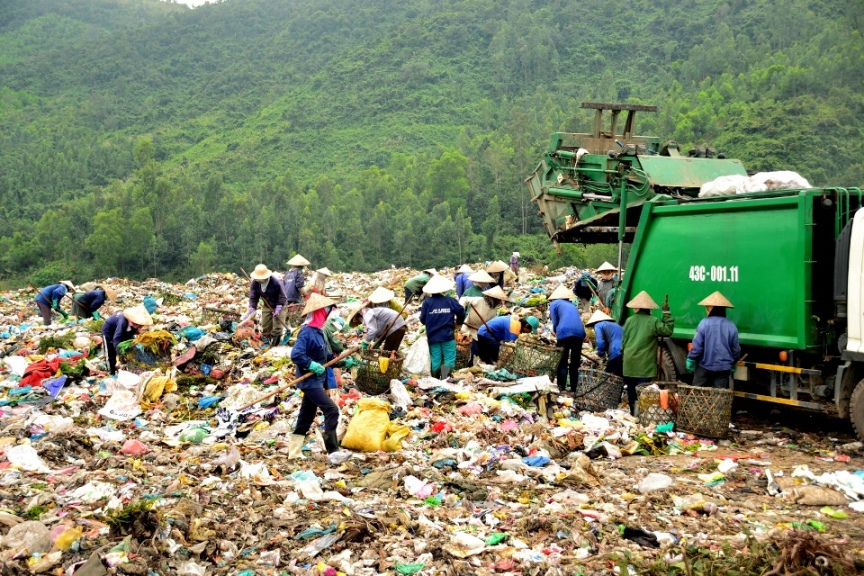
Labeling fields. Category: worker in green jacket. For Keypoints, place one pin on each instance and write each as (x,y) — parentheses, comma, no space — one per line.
(415,285)
(639,344)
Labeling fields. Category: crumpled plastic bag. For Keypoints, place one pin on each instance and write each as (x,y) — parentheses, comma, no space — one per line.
(417,360)
(156,387)
(395,434)
(368,429)
(399,395)
(463,545)
(25,457)
(761,182)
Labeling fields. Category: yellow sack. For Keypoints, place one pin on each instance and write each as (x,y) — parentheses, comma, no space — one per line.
(395,434)
(156,387)
(368,428)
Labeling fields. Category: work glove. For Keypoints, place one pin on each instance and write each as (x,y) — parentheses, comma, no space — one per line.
(277,311)
(665,307)
(317,368)
(97,316)
(55,304)
(64,314)
(691,365)
(733,368)
(364,345)
(249,313)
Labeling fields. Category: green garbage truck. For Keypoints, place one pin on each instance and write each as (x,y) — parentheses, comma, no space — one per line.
(791,260)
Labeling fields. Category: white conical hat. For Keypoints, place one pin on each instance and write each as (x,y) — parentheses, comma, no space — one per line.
(138,315)
(465,269)
(498,293)
(324,271)
(481,277)
(354,311)
(598,316)
(562,293)
(381,295)
(716,299)
(298,260)
(643,301)
(316,302)
(261,272)
(68,285)
(438,285)
(607,267)
(497,266)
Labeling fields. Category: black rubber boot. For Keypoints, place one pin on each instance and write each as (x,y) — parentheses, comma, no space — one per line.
(436,374)
(331,442)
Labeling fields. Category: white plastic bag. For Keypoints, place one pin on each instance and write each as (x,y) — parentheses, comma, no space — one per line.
(417,360)
(399,395)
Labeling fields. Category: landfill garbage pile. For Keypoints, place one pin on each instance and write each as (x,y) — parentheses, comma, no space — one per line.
(163,470)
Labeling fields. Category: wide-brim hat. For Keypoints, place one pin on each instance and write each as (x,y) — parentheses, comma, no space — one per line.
(261,272)
(498,293)
(110,293)
(298,260)
(516,254)
(597,317)
(324,271)
(316,302)
(438,285)
(497,266)
(430,271)
(606,267)
(381,295)
(68,285)
(352,313)
(533,321)
(481,277)
(716,299)
(465,269)
(138,315)
(643,301)
(562,293)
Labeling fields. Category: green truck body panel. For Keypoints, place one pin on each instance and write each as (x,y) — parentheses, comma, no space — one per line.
(687,172)
(757,252)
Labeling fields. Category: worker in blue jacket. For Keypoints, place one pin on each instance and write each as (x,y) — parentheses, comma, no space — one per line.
(87,305)
(49,298)
(309,354)
(716,350)
(294,280)
(608,335)
(462,281)
(569,334)
(121,327)
(441,314)
(501,329)
(264,286)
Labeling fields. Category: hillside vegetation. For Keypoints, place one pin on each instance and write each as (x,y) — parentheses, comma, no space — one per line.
(143,138)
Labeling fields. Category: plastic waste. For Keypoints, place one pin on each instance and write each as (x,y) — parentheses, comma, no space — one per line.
(134,448)
(67,538)
(654,482)
(32,536)
(195,435)
(27,458)
(368,429)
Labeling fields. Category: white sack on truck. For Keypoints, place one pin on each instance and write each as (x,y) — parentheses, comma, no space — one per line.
(761,182)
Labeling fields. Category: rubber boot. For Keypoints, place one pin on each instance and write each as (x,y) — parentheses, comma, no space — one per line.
(445,372)
(295,446)
(331,442)
(436,374)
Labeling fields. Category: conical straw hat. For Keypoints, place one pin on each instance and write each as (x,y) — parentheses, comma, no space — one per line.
(497,266)
(465,269)
(110,293)
(138,315)
(298,260)
(354,311)
(316,302)
(598,316)
(606,267)
(68,285)
(643,301)
(381,295)
(324,271)
(716,299)
(438,285)
(498,293)
(562,293)
(481,277)
(430,271)
(261,272)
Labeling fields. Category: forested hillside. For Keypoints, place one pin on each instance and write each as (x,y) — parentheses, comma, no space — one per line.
(142,138)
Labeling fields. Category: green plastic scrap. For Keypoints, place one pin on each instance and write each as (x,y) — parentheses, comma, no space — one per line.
(838,514)
(496,538)
(409,568)
(501,375)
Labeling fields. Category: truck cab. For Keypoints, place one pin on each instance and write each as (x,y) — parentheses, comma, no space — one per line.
(790,259)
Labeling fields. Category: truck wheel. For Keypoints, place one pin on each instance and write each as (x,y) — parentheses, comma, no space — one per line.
(856,409)
(666,370)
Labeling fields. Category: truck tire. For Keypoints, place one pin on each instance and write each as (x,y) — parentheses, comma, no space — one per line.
(856,409)
(666,370)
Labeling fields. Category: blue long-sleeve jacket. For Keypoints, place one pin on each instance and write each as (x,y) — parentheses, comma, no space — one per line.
(715,345)
(292,283)
(566,321)
(440,314)
(462,284)
(116,330)
(272,294)
(311,346)
(500,327)
(92,300)
(609,336)
(50,293)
